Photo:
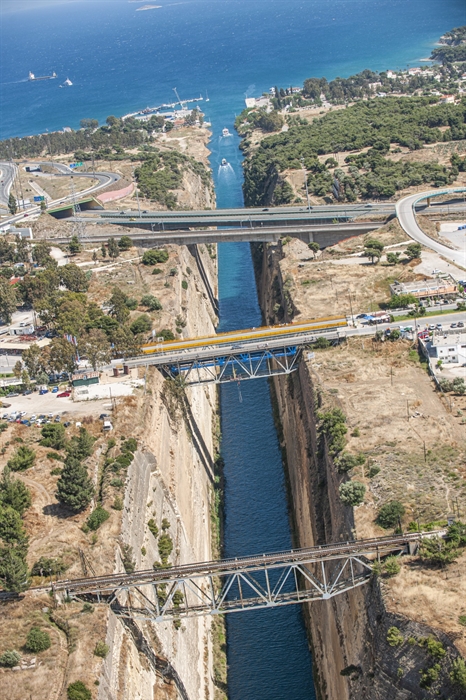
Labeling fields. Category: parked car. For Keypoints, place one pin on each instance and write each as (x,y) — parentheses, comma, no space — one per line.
(460,324)
(432,327)
(43,391)
(67,424)
(453,325)
(438,326)
(33,418)
(11,394)
(55,390)
(27,392)
(63,394)
(57,419)
(25,422)
(103,416)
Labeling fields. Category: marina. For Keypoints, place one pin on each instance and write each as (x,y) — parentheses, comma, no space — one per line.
(148,111)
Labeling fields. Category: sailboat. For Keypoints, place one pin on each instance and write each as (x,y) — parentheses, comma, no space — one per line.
(207,99)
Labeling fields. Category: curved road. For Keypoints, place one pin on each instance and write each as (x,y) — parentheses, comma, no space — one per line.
(407,219)
(104,179)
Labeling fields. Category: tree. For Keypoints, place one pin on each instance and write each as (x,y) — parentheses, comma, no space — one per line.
(8,300)
(74,245)
(413,251)
(315,247)
(14,493)
(103,250)
(152,257)
(118,307)
(78,690)
(373,250)
(113,249)
(73,278)
(458,673)
(17,369)
(53,435)
(10,659)
(12,204)
(94,256)
(389,514)
(401,301)
(88,123)
(141,325)
(352,493)
(62,355)
(95,346)
(81,446)
(25,378)
(112,121)
(14,573)
(152,303)
(12,531)
(74,488)
(125,243)
(37,640)
(41,254)
(23,459)
(393,258)
(126,344)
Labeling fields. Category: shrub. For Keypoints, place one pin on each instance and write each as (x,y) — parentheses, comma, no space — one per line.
(10,658)
(142,324)
(333,426)
(101,649)
(352,493)
(48,567)
(429,675)
(321,343)
(389,514)
(117,503)
(78,691)
(127,558)
(22,459)
(124,460)
(347,461)
(165,547)
(131,304)
(54,455)
(56,471)
(157,271)
(184,284)
(53,435)
(152,303)
(394,637)
(37,640)
(462,620)
(392,566)
(125,243)
(153,527)
(130,445)
(437,551)
(97,517)
(87,608)
(458,673)
(166,334)
(151,257)
(116,483)
(165,524)
(434,647)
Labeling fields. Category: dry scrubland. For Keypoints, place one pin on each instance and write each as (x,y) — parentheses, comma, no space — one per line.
(413,440)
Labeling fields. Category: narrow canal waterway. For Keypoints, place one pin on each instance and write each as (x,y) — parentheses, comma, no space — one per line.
(267,650)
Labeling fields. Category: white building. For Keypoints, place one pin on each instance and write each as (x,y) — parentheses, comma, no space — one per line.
(449,346)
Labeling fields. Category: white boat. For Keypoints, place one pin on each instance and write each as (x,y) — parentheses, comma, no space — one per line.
(67,82)
(225,132)
(33,77)
(224,161)
(207,98)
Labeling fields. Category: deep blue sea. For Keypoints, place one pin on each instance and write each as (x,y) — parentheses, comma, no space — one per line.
(121,59)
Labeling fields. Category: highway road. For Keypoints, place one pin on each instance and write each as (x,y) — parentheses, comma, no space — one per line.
(406,217)
(104,180)
(8,174)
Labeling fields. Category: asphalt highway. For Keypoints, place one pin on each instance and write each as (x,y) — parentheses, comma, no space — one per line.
(8,174)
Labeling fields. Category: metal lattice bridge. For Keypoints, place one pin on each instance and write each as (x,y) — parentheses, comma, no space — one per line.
(238,355)
(243,583)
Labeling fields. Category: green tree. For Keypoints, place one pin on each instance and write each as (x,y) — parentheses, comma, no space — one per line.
(315,247)
(14,575)
(78,690)
(352,493)
(12,531)
(97,517)
(393,258)
(401,301)
(62,355)
(74,488)
(95,346)
(17,369)
(14,493)
(152,303)
(37,640)
(118,308)
(12,204)
(8,300)
(41,254)
(113,249)
(152,257)
(103,250)
(10,658)
(73,278)
(413,251)
(88,123)
(23,459)
(25,379)
(53,435)
(126,344)
(141,325)
(125,243)
(81,446)
(458,673)
(389,514)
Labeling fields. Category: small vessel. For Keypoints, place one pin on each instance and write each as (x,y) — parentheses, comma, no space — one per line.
(67,82)
(207,98)
(225,132)
(224,161)
(32,77)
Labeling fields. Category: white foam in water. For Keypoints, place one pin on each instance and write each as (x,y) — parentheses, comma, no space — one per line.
(226,170)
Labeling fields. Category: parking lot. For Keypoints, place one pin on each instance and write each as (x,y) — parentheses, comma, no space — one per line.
(50,403)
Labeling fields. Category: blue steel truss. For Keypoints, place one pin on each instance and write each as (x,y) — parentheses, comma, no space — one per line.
(234,366)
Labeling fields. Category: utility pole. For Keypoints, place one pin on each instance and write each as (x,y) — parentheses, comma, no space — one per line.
(305,185)
(79,227)
(137,197)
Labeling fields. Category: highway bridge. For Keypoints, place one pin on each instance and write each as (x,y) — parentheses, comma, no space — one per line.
(237,584)
(237,355)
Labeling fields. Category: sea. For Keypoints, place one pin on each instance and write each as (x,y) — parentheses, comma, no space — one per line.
(121,58)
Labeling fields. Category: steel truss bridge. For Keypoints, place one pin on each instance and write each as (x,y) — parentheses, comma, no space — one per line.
(239,355)
(243,583)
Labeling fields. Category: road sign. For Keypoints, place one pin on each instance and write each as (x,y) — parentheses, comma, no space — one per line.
(76,165)
(39,199)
